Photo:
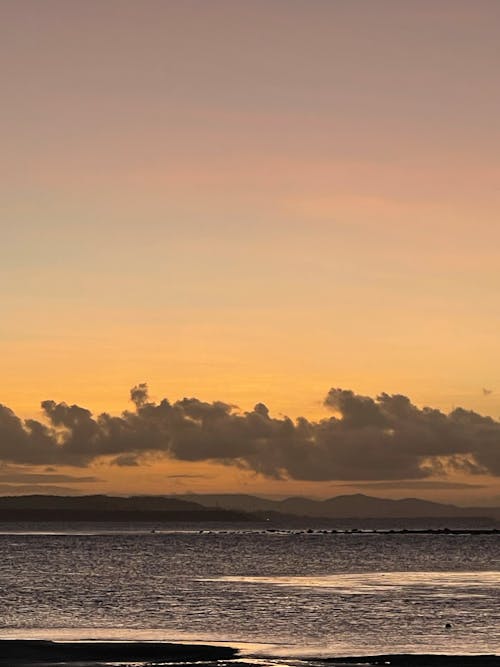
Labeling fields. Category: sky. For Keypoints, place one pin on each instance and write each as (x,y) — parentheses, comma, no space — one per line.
(251,203)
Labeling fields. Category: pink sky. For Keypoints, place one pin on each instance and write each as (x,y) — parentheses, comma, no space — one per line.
(250,201)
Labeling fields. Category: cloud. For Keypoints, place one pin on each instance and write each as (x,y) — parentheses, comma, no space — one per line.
(189,476)
(126,461)
(421,485)
(13,476)
(43,489)
(381,438)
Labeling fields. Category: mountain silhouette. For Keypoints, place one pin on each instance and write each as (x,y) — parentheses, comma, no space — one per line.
(111,508)
(342,507)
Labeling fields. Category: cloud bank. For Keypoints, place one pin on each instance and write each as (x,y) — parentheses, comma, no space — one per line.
(382,438)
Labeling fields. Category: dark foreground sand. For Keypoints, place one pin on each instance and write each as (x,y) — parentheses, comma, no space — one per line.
(31,652)
(16,653)
(412,660)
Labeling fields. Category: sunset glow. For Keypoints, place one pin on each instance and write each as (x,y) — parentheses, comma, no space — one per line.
(251,203)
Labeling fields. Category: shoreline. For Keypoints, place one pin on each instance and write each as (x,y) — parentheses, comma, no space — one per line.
(31,652)
(17,652)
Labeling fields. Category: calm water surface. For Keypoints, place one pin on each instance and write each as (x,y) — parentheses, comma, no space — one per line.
(289,592)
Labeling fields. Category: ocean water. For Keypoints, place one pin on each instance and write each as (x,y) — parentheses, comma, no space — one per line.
(280,593)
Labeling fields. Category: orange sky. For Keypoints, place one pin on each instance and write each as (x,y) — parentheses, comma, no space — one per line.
(250,202)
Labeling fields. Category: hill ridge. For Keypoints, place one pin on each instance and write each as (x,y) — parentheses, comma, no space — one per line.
(344,506)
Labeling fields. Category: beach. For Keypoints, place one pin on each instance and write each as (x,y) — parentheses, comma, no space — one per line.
(36,653)
(234,596)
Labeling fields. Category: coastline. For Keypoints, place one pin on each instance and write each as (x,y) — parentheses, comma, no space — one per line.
(36,652)
(17,652)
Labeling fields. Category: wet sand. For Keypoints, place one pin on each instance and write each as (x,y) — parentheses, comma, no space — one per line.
(414,660)
(17,653)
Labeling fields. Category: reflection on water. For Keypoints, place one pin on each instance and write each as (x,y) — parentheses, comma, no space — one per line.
(289,594)
(368,583)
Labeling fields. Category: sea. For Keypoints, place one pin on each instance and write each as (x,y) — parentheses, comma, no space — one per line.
(278,594)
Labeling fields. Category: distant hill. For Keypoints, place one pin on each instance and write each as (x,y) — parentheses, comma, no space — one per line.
(227,507)
(356,506)
(111,508)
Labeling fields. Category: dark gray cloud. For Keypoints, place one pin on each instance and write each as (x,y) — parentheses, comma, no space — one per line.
(126,461)
(189,476)
(381,438)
